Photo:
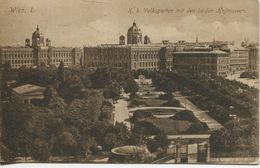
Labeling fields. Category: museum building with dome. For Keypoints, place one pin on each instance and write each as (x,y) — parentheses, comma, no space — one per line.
(137,53)
(38,51)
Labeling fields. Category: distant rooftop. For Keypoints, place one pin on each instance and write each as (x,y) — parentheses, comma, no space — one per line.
(27,89)
(202,52)
(130,45)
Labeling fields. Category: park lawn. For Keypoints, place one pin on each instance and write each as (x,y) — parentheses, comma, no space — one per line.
(170,126)
(138,102)
(154,102)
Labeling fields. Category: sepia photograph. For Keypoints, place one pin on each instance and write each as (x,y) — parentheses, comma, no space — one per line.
(129,82)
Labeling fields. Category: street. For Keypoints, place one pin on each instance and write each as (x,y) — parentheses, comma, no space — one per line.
(200,114)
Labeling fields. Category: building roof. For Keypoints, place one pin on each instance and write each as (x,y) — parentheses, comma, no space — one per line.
(28,89)
(37,32)
(197,136)
(188,139)
(202,52)
(134,29)
(135,46)
(239,48)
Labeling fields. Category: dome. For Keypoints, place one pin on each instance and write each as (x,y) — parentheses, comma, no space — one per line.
(37,38)
(134,35)
(134,29)
(37,33)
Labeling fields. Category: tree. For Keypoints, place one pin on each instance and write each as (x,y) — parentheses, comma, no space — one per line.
(113,91)
(98,131)
(198,127)
(110,141)
(131,87)
(235,137)
(121,131)
(61,72)
(86,145)
(40,150)
(53,100)
(106,113)
(159,141)
(75,86)
(186,115)
(166,96)
(168,86)
(67,144)
(87,81)
(47,76)
(101,78)
(19,121)
(172,103)
(140,114)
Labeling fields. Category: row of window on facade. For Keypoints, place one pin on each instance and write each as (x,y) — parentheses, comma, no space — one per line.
(146,56)
(124,57)
(223,67)
(59,60)
(239,55)
(19,56)
(223,61)
(22,61)
(104,57)
(238,67)
(199,67)
(61,54)
(189,61)
(92,64)
(109,52)
(145,64)
(30,55)
(58,55)
(238,61)
(28,63)
(222,73)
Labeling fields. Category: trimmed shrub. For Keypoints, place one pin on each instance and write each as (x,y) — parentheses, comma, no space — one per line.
(185,115)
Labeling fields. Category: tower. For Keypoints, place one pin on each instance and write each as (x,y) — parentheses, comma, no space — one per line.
(27,42)
(48,42)
(147,40)
(122,40)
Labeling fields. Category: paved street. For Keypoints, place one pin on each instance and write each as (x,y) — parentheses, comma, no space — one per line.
(149,108)
(249,82)
(200,114)
(121,112)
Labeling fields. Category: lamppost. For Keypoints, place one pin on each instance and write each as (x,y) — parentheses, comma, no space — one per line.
(178,146)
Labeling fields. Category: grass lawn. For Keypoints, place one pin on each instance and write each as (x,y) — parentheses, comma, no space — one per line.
(154,102)
(146,102)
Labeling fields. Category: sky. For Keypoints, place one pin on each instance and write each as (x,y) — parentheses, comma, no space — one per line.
(90,22)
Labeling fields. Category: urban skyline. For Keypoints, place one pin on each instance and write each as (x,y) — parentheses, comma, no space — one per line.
(104,25)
